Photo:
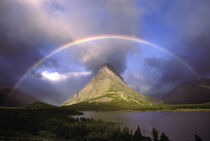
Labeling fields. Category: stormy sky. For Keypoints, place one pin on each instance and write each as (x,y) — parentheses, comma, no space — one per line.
(31,29)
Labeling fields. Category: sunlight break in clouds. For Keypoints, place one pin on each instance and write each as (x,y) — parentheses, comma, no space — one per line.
(56,76)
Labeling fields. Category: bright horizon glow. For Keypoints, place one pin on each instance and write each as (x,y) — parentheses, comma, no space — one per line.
(103,37)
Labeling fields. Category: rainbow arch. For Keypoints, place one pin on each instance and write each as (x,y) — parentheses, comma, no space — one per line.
(103,37)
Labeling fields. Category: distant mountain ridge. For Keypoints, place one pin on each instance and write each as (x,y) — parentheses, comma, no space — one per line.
(190,93)
(108,88)
(18,98)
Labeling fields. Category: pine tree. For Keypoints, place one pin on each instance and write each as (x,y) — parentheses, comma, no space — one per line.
(137,134)
(198,138)
(163,137)
(126,134)
(155,134)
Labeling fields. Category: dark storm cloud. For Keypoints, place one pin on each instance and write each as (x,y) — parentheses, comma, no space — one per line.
(189,20)
(152,62)
(18,49)
(97,54)
(173,71)
(199,52)
(191,41)
(15,59)
(50,63)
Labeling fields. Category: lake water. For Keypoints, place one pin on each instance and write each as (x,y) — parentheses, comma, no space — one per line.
(179,126)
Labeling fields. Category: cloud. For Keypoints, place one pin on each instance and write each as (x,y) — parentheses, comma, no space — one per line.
(33,28)
(94,55)
(68,20)
(56,76)
(183,28)
(55,87)
(36,26)
(152,62)
(194,34)
(190,19)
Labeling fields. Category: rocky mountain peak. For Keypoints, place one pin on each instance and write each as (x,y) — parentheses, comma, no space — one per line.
(108,67)
(108,87)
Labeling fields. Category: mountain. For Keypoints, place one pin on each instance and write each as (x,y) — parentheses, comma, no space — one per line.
(190,93)
(107,90)
(18,98)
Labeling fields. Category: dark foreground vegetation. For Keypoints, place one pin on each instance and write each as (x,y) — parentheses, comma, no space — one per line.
(40,121)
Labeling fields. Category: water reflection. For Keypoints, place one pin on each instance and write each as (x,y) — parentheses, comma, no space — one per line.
(179,126)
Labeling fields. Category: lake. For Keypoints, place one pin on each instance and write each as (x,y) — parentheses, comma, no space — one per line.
(179,126)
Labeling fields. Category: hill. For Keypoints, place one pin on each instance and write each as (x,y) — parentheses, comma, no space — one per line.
(18,98)
(190,93)
(108,91)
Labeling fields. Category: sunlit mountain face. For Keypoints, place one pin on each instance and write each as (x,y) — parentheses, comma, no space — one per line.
(51,49)
(108,91)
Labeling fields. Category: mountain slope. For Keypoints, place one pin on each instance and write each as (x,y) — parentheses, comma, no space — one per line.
(108,88)
(17,98)
(190,93)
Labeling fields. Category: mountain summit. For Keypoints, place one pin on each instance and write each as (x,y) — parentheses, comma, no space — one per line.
(110,68)
(107,89)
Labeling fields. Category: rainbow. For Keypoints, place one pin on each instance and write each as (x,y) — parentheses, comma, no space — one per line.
(104,37)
